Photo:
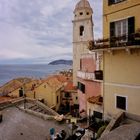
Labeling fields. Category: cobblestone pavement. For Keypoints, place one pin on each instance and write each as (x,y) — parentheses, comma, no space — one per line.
(17,125)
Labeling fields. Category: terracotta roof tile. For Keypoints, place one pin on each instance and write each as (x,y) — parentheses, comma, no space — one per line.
(69,86)
(5,99)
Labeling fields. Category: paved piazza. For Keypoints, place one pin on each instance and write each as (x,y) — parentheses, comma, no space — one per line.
(17,125)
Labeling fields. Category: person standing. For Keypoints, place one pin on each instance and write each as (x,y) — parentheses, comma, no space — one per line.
(52,132)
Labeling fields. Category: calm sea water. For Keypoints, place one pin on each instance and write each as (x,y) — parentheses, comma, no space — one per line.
(9,72)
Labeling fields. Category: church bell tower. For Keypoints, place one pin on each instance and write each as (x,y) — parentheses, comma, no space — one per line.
(82,33)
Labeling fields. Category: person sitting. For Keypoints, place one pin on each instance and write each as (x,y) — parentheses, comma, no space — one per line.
(63,134)
(58,137)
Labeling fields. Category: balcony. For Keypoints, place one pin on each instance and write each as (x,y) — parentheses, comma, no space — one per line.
(94,76)
(86,75)
(116,43)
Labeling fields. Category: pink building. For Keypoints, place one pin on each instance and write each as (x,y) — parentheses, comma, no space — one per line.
(89,81)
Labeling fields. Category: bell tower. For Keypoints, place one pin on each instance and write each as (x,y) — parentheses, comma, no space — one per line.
(82,33)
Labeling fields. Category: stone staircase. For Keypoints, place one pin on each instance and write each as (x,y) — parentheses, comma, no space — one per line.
(37,108)
(32,106)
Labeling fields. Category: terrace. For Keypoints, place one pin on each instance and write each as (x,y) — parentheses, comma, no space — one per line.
(94,76)
(127,42)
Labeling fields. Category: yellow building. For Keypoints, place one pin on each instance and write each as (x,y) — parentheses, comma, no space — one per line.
(49,92)
(24,88)
(121,56)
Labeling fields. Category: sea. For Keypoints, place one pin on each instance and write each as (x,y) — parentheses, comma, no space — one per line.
(9,72)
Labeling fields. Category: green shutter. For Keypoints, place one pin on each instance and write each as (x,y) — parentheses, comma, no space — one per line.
(83,88)
(112,29)
(131,30)
(112,33)
(131,25)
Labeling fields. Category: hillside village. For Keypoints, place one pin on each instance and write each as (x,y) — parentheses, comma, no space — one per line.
(50,91)
(99,98)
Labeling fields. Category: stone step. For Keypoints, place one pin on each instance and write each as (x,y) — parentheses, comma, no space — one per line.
(31,106)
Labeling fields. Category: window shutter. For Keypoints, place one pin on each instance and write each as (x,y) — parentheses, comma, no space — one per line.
(131,29)
(111,2)
(80,64)
(78,85)
(83,88)
(112,33)
(131,25)
(112,29)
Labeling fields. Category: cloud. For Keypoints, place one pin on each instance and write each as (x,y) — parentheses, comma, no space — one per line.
(38,31)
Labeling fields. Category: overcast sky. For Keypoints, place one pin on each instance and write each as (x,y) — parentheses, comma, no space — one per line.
(39,31)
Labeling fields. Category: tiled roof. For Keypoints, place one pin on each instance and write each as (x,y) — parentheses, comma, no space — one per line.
(62,78)
(10,86)
(5,99)
(96,100)
(53,82)
(70,87)
(14,85)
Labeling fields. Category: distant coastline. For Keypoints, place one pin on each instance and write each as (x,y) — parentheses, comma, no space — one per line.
(9,72)
(61,61)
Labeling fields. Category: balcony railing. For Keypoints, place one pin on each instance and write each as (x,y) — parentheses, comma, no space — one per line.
(86,75)
(94,76)
(115,42)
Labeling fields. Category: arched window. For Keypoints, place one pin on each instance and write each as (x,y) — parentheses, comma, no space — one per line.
(81,30)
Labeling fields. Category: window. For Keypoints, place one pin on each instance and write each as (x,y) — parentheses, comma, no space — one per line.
(121,102)
(81,87)
(123,29)
(67,94)
(110,2)
(97,114)
(21,92)
(80,64)
(81,30)
(87,13)
(81,13)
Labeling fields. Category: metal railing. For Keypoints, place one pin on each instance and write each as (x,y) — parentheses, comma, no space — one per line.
(120,41)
